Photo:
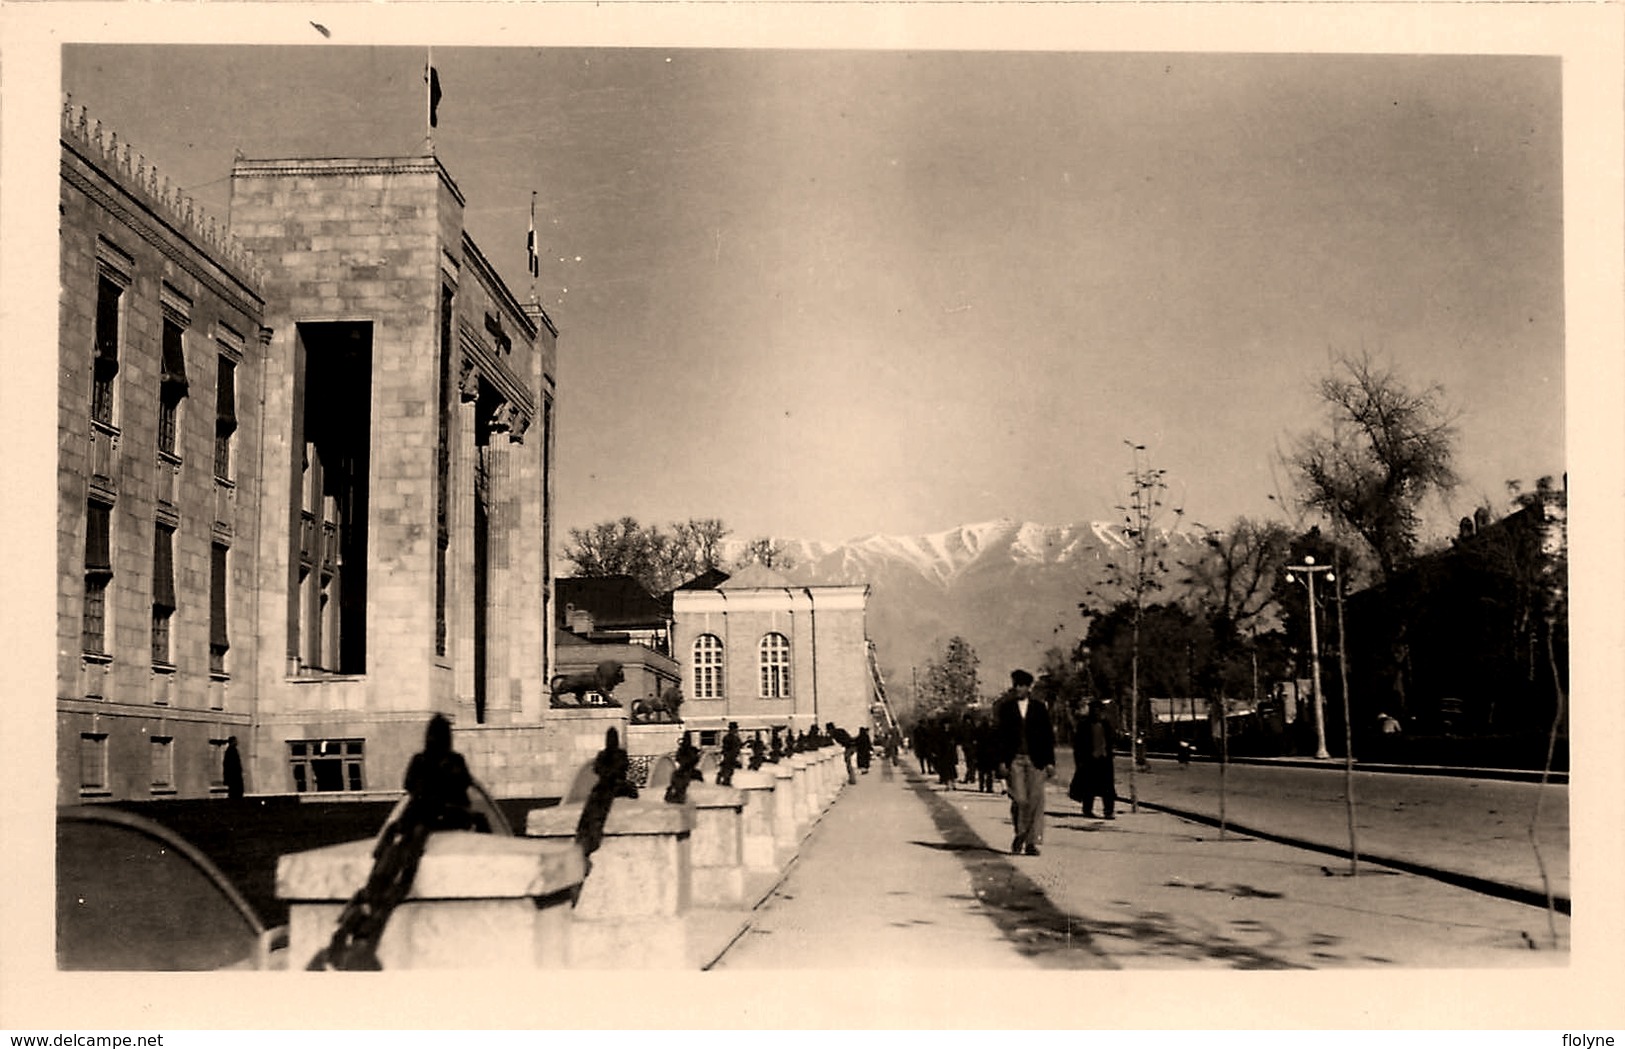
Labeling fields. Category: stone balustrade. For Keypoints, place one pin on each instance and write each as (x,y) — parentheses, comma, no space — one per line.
(669,886)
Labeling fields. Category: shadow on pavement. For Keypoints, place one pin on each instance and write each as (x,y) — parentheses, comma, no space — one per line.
(1052,938)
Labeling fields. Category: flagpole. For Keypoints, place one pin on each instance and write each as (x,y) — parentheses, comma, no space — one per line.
(428,100)
(533,260)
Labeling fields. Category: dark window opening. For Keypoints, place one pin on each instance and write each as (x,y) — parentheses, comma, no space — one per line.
(321,765)
(225,417)
(98,573)
(443,411)
(219,638)
(108,295)
(171,386)
(328,613)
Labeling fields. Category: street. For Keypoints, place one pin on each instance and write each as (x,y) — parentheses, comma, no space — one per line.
(1477,827)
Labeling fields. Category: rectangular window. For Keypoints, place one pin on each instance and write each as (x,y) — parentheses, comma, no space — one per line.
(163,764)
(219,637)
(217,764)
(327,765)
(104,373)
(171,386)
(98,573)
(225,416)
(163,591)
(327,607)
(93,763)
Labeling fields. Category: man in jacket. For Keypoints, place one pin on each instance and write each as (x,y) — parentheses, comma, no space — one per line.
(1026,759)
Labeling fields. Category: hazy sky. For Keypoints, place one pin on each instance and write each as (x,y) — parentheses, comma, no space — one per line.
(829,293)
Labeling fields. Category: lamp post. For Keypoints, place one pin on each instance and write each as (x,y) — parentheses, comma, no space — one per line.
(1309,568)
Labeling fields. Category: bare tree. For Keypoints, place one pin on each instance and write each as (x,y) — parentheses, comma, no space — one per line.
(1388,448)
(767,552)
(658,558)
(1136,575)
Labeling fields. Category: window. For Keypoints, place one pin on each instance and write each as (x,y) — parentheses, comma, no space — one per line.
(327,607)
(225,416)
(217,764)
(98,573)
(163,592)
(774,663)
(219,639)
(707,667)
(163,764)
(93,763)
(109,328)
(171,386)
(327,764)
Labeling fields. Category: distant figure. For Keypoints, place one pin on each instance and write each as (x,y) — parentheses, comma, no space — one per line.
(1026,759)
(987,755)
(437,783)
(1093,743)
(731,746)
(1388,724)
(231,770)
(866,750)
(849,748)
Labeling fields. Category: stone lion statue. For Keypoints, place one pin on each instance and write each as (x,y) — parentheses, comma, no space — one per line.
(658,710)
(601,679)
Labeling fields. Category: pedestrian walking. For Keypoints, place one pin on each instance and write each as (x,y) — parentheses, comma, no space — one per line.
(987,754)
(231,770)
(866,750)
(1093,744)
(1026,759)
(849,749)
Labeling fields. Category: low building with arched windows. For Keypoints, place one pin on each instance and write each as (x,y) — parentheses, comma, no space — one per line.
(758,649)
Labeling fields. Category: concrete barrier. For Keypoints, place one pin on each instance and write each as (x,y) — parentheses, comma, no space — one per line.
(758,846)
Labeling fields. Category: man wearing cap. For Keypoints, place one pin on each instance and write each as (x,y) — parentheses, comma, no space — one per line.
(1026,759)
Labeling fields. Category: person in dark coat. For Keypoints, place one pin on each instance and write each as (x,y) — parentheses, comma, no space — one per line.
(1094,742)
(866,750)
(231,770)
(1026,759)
(945,756)
(987,754)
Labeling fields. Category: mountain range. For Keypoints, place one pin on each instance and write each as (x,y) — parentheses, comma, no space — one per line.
(1011,589)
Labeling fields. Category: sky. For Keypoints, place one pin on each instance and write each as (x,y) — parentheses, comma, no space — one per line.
(830,293)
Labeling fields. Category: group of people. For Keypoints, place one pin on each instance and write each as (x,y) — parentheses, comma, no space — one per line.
(1015,742)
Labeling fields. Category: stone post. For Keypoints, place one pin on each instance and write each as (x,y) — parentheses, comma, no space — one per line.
(718,849)
(478,901)
(758,848)
(630,913)
(787,827)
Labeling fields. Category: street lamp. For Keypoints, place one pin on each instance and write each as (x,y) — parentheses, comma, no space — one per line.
(1309,568)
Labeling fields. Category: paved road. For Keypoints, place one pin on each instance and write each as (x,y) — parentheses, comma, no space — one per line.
(1477,827)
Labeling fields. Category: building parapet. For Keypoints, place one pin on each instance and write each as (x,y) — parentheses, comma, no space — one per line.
(101,146)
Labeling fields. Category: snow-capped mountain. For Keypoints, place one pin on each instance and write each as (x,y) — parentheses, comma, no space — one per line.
(1009,588)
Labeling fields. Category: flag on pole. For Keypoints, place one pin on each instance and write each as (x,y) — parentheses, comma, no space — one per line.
(432,75)
(530,240)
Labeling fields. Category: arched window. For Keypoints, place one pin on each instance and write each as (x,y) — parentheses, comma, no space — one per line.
(707,667)
(775,667)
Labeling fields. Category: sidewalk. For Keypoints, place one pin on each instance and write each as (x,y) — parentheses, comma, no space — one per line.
(900,873)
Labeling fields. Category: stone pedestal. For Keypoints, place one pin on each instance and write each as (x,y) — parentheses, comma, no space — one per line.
(479,901)
(758,848)
(637,888)
(718,848)
(787,827)
(806,800)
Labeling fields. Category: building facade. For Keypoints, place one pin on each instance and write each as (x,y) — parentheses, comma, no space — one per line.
(305,482)
(161,320)
(762,651)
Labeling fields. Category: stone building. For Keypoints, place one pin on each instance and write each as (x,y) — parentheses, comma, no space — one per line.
(305,484)
(614,618)
(161,321)
(763,651)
